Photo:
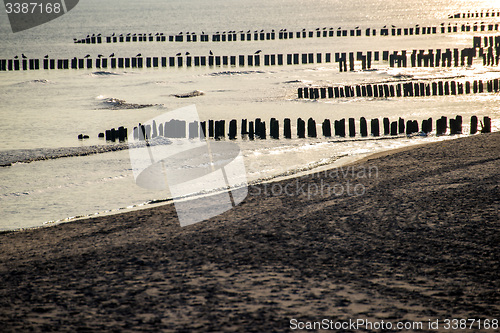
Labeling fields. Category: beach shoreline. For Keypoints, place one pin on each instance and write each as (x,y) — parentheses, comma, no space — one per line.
(420,243)
(343,161)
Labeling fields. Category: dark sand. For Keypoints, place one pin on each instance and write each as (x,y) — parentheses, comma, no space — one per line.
(422,243)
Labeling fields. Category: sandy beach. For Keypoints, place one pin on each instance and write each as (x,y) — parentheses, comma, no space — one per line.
(414,236)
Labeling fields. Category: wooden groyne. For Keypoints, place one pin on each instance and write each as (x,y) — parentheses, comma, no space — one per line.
(286,34)
(489,53)
(485,13)
(305,128)
(406,89)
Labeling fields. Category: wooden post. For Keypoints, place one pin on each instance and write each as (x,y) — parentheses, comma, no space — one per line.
(486,125)
(275,129)
(401,125)
(311,128)
(287,130)
(251,130)
(203,130)
(352,128)
(232,129)
(301,128)
(394,128)
(262,130)
(363,126)
(327,129)
(387,126)
(211,129)
(375,127)
(473,125)
(409,127)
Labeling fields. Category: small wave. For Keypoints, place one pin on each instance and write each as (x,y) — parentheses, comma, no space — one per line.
(9,157)
(103,73)
(403,76)
(119,104)
(193,93)
(228,73)
(36,81)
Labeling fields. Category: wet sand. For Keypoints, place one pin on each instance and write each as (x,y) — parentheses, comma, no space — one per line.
(422,242)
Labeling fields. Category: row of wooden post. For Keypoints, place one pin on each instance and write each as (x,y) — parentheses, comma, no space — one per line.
(476,14)
(417,59)
(216,129)
(234,36)
(409,89)
(120,134)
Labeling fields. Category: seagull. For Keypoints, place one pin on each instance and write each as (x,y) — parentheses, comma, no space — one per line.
(203,32)
(98,35)
(46,56)
(178,54)
(259,51)
(393,26)
(262,30)
(138,55)
(16,57)
(111,55)
(357,27)
(187,53)
(317,28)
(211,53)
(24,57)
(113,34)
(128,34)
(384,27)
(74,39)
(100,56)
(87,56)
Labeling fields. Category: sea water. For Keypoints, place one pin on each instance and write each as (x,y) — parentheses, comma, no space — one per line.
(46,110)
